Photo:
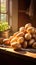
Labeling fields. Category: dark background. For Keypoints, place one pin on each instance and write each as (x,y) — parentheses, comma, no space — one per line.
(24,18)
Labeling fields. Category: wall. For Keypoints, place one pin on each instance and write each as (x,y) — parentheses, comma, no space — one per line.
(24,18)
(14,15)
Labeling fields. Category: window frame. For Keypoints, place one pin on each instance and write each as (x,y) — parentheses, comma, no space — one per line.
(14,15)
(4,12)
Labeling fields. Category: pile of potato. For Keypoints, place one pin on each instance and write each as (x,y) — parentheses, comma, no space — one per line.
(24,38)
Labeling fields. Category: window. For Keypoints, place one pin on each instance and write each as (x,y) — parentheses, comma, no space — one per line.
(3,10)
(9,12)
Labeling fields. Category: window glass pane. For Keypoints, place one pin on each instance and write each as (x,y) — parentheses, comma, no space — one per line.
(3,17)
(3,6)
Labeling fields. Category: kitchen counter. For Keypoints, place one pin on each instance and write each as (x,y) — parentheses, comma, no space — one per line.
(8,54)
(29,54)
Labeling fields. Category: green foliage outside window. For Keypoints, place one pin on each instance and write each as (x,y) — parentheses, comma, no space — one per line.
(4,26)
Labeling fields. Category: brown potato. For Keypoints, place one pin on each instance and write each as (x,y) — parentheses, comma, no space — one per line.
(34,45)
(20,40)
(15,34)
(34,36)
(31,41)
(22,29)
(6,41)
(28,36)
(35,31)
(11,37)
(15,45)
(28,25)
(20,34)
(25,44)
(13,40)
(31,30)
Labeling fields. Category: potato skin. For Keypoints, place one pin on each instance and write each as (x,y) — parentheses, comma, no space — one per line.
(22,29)
(25,44)
(31,30)
(13,40)
(15,45)
(11,37)
(34,36)
(20,40)
(20,34)
(6,41)
(15,34)
(28,25)
(34,45)
(31,41)
(28,36)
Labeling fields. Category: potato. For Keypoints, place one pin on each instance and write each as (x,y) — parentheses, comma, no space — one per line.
(11,37)
(20,40)
(22,29)
(31,30)
(6,41)
(31,41)
(34,45)
(34,36)
(13,40)
(28,36)
(35,31)
(15,45)
(15,34)
(28,25)
(20,34)
(25,44)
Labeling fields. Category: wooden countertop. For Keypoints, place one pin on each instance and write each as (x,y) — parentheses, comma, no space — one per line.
(29,54)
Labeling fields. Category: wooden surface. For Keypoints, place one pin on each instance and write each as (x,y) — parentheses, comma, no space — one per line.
(29,54)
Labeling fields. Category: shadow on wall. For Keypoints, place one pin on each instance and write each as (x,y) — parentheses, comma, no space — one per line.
(24,18)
